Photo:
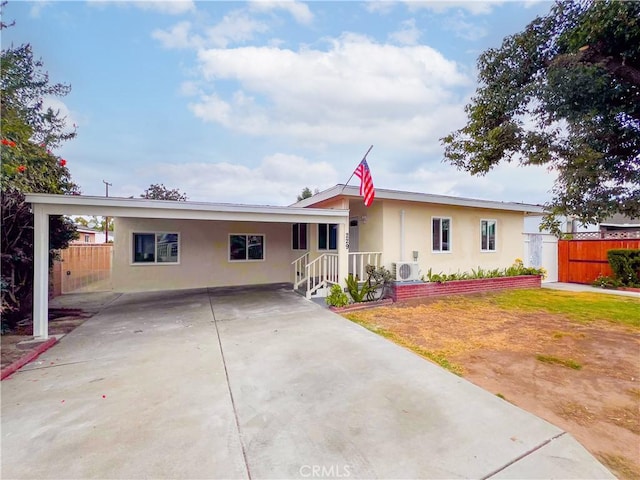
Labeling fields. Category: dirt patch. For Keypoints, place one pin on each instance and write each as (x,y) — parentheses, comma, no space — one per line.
(61,322)
(591,388)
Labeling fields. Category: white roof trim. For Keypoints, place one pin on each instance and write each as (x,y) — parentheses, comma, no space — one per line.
(144,208)
(381,194)
(623,225)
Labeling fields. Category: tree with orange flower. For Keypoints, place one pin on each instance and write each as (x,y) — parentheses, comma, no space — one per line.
(28,135)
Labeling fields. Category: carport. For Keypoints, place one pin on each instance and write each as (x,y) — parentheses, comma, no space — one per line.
(237,219)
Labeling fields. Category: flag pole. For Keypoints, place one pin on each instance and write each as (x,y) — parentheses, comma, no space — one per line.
(354,172)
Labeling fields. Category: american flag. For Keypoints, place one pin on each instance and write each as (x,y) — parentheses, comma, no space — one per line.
(366,183)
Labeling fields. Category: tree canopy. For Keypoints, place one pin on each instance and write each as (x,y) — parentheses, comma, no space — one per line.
(95,222)
(564,93)
(305,193)
(157,191)
(29,131)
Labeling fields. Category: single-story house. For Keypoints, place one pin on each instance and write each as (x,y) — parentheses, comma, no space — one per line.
(438,232)
(312,244)
(88,235)
(85,236)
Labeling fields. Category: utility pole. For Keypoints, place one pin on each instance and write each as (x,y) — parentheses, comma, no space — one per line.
(106,219)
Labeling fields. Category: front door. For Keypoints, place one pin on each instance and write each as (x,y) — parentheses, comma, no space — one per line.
(354,240)
(354,236)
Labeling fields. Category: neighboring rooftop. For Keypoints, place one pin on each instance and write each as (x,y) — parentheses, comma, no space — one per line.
(620,221)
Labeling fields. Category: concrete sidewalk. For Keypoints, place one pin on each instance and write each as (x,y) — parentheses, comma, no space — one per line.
(260,383)
(578,287)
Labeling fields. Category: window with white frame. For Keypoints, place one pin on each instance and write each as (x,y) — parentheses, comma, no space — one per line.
(87,238)
(440,234)
(299,236)
(156,247)
(488,235)
(327,236)
(246,247)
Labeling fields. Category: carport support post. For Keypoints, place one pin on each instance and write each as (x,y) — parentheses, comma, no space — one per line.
(343,253)
(40,272)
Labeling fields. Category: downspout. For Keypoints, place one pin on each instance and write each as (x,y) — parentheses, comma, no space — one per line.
(402,235)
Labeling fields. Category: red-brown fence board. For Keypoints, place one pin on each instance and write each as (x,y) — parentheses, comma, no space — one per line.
(582,261)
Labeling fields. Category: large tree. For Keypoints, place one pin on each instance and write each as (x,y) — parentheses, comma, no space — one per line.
(564,93)
(29,133)
(157,191)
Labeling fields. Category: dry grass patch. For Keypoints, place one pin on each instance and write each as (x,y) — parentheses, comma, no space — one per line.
(621,466)
(577,413)
(626,417)
(570,358)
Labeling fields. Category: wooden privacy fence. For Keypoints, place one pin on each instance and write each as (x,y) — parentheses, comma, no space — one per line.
(83,268)
(582,261)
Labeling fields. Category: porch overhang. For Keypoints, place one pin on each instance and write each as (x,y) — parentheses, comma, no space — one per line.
(44,205)
(143,208)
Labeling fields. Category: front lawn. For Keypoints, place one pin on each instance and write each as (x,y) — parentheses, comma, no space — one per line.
(571,358)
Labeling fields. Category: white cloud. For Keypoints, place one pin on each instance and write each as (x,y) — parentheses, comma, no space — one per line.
(408,34)
(475,7)
(506,182)
(464,29)
(169,7)
(178,36)
(298,10)
(355,91)
(235,27)
(277,180)
(59,106)
(381,7)
(37,8)
(189,88)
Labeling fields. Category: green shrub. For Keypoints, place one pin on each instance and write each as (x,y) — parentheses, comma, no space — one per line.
(625,264)
(377,279)
(604,281)
(337,297)
(358,293)
(514,270)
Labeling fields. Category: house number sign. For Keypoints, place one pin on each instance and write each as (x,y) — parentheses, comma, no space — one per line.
(346,240)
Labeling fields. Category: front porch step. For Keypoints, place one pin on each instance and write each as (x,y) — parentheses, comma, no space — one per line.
(320,293)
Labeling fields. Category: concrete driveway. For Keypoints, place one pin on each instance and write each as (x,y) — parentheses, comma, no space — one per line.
(259,383)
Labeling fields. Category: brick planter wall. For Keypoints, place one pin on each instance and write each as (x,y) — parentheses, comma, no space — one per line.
(404,291)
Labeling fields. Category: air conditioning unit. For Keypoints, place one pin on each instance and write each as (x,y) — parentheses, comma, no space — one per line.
(406,271)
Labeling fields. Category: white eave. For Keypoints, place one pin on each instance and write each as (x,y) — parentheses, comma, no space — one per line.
(382,194)
(143,208)
(621,225)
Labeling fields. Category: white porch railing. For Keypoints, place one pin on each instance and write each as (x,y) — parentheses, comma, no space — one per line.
(322,272)
(358,262)
(316,274)
(300,270)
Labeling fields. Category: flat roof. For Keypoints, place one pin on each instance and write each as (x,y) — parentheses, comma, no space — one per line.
(382,194)
(144,208)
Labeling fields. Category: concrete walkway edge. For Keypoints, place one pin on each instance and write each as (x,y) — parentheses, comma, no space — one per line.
(29,357)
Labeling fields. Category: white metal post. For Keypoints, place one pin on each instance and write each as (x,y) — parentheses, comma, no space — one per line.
(40,272)
(343,252)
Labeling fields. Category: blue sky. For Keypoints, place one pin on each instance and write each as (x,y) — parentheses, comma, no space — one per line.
(249,102)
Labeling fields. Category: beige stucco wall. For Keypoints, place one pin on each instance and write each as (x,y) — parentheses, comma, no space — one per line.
(465,251)
(370,225)
(203,255)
